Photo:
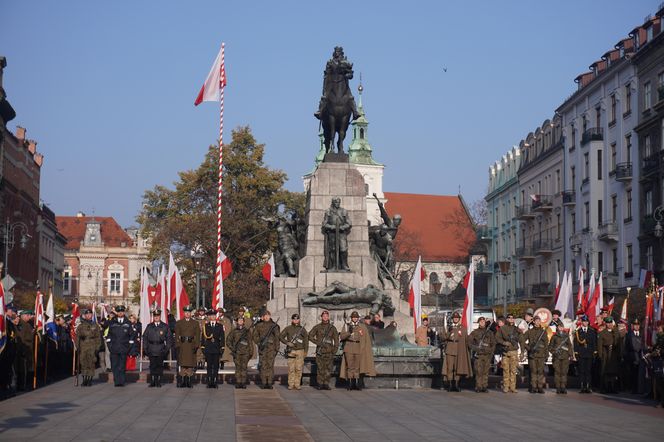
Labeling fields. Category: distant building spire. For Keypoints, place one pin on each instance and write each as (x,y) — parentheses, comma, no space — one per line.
(360,151)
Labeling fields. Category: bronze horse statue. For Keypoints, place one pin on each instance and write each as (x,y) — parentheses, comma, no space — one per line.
(337,104)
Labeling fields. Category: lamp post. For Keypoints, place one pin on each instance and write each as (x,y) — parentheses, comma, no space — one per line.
(10,239)
(659,217)
(504,270)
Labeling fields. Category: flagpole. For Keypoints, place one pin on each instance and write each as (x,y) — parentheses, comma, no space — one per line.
(34,376)
(45,360)
(218,276)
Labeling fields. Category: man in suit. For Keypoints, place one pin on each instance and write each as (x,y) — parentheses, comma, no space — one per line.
(213,341)
(633,356)
(585,349)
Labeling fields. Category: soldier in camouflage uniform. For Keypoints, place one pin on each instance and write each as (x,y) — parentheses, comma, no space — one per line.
(536,341)
(239,344)
(326,338)
(266,337)
(88,340)
(561,350)
(482,343)
(296,339)
(509,337)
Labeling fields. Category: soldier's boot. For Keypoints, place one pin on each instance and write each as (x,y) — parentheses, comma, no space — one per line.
(359,384)
(151,379)
(178,381)
(189,383)
(157,381)
(85,381)
(89,382)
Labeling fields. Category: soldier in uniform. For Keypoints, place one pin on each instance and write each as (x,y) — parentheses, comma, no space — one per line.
(213,343)
(482,342)
(358,354)
(536,341)
(120,338)
(509,337)
(266,337)
(296,339)
(585,349)
(609,350)
(227,324)
(156,345)
(187,341)
(634,350)
(326,338)
(25,341)
(561,350)
(88,340)
(555,320)
(239,344)
(457,360)
(8,355)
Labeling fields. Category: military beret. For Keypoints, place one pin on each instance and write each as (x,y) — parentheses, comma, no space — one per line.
(425,318)
(295,316)
(537,318)
(608,319)
(510,315)
(240,317)
(456,315)
(221,310)
(604,309)
(156,312)
(188,308)
(87,311)
(355,314)
(120,308)
(556,312)
(530,311)
(265,312)
(26,312)
(210,313)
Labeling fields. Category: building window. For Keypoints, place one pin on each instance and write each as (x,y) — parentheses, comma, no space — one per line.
(613,109)
(584,124)
(648,202)
(573,138)
(361,133)
(628,147)
(586,208)
(573,177)
(115,282)
(647,95)
(598,116)
(66,281)
(628,98)
(558,189)
(628,252)
(599,164)
(600,218)
(613,157)
(558,227)
(614,260)
(628,209)
(573,216)
(614,208)
(586,166)
(600,261)
(649,259)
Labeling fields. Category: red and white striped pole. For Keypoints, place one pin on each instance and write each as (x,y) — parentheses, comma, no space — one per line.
(218,287)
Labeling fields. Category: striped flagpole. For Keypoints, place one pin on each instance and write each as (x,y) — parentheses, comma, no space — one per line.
(218,294)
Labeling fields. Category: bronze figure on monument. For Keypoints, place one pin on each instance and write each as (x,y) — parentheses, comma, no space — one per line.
(336,227)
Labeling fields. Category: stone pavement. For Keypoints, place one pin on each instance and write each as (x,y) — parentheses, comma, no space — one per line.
(60,412)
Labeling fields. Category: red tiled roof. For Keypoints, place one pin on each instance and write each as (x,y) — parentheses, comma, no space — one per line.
(73,228)
(437,227)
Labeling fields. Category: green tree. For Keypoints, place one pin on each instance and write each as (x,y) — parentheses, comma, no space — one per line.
(185,217)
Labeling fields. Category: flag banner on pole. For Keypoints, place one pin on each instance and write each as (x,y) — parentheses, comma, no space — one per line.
(563,299)
(623,310)
(215,81)
(163,295)
(557,286)
(611,304)
(39,312)
(75,314)
(268,269)
(145,314)
(469,302)
(51,327)
(644,278)
(579,304)
(3,326)
(415,293)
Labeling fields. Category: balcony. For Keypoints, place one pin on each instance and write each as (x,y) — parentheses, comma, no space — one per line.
(592,134)
(542,203)
(576,239)
(608,232)
(485,233)
(624,172)
(540,289)
(525,253)
(524,213)
(520,293)
(611,281)
(651,163)
(487,267)
(542,247)
(660,93)
(569,198)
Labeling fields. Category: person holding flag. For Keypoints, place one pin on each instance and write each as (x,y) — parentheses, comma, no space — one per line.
(88,340)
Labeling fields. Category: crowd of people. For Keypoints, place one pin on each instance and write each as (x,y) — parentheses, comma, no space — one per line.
(605,356)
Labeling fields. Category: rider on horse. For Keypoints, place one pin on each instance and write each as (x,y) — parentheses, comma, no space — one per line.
(338,66)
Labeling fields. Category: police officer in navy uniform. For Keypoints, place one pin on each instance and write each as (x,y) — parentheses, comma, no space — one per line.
(120,338)
(213,340)
(156,345)
(585,350)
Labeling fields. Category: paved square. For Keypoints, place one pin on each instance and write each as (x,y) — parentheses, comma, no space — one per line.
(61,412)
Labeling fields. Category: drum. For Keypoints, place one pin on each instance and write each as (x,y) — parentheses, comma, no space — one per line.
(545,315)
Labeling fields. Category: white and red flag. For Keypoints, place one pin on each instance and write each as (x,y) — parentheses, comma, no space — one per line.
(268,270)
(611,304)
(145,313)
(415,293)
(39,312)
(558,286)
(224,269)
(215,81)
(580,304)
(469,302)
(177,292)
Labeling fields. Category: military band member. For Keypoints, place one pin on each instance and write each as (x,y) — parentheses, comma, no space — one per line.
(187,341)
(296,339)
(482,342)
(585,349)
(509,337)
(213,346)
(88,340)
(239,344)
(609,350)
(156,345)
(358,354)
(326,338)
(561,351)
(536,341)
(120,338)
(266,337)
(457,360)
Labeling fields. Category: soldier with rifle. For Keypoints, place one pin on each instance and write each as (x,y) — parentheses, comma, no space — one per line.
(266,337)
(537,342)
(326,338)
(296,339)
(482,343)
(239,344)
(561,350)
(88,340)
(509,337)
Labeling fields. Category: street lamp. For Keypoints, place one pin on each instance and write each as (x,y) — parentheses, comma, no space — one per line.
(10,239)
(504,270)
(658,216)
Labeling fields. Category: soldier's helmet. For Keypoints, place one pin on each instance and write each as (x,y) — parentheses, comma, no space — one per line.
(295,316)
(355,314)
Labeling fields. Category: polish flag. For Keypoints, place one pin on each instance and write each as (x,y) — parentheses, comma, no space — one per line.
(623,310)
(611,304)
(644,278)
(177,292)
(580,293)
(145,313)
(75,314)
(415,293)
(593,308)
(226,268)
(590,293)
(215,81)
(268,269)
(163,296)
(558,286)
(469,303)
(39,312)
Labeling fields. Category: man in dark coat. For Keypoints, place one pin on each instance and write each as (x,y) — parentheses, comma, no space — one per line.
(156,345)
(585,349)
(187,341)
(457,359)
(634,349)
(120,338)
(8,355)
(266,337)
(609,346)
(213,341)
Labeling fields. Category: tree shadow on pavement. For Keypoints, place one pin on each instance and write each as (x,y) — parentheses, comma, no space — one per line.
(35,415)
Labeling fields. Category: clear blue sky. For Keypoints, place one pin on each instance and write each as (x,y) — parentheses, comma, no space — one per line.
(107,87)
